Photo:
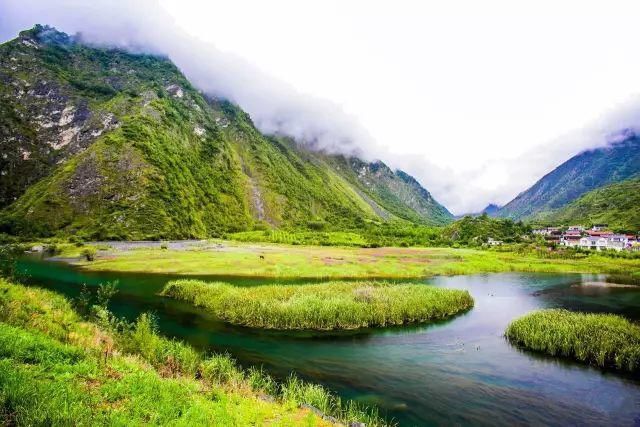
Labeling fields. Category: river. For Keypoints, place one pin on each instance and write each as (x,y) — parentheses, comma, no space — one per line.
(461,371)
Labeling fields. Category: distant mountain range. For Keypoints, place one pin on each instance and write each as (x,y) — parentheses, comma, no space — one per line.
(113,145)
(617,205)
(578,176)
(490,210)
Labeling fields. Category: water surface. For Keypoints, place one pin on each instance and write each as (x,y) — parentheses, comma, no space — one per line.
(461,371)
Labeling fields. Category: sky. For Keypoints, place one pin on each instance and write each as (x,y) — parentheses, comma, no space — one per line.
(477,100)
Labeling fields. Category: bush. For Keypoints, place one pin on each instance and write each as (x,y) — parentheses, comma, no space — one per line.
(171,357)
(89,253)
(221,369)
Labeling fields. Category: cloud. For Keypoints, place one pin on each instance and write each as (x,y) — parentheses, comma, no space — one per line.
(467,192)
(274,106)
(277,107)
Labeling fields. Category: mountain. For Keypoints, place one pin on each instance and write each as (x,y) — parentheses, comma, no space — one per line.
(615,204)
(491,209)
(580,174)
(114,145)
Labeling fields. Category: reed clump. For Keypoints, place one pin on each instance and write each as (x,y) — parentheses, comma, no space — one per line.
(325,306)
(604,340)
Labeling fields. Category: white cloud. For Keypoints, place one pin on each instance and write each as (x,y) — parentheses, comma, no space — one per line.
(470,97)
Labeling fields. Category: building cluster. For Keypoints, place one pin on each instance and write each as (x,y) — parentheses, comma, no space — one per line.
(598,237)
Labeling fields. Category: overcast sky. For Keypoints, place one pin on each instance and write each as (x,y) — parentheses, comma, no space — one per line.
(477,100)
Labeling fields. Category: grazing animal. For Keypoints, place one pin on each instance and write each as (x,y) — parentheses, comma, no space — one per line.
(261,256)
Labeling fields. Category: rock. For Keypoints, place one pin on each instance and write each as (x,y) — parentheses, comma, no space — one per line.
(37,248)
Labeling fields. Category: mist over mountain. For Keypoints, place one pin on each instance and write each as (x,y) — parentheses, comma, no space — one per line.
(277,108)
(591,169)
(112,144)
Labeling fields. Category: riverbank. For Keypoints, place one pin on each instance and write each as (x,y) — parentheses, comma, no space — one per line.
(225,258)
(58,368)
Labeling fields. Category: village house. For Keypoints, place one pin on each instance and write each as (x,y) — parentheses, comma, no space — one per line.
(571,238)
(593,242)
(617,241)
(597,238)
(493,242)
(547,231)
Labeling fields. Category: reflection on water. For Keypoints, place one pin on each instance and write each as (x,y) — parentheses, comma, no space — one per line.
(461,371)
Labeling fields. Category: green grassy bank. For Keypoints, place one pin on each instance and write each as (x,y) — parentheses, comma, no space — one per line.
(603,340)
(273,260)
(57,368)
(326,306)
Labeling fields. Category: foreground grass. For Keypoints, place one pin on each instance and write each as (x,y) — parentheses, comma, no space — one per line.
(57,369)
(271,260)
(326,306)
(603,340)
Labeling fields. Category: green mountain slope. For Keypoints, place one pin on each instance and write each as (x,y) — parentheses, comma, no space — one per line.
(575,177)
(109,144)
(616,204)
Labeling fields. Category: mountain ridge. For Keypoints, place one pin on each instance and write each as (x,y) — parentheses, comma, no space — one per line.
(112,144)
(615,204)
(586,171)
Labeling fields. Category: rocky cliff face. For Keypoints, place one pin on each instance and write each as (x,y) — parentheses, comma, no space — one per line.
(111,144)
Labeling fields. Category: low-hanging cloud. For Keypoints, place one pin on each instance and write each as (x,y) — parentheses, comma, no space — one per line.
(277,108)
(144,26)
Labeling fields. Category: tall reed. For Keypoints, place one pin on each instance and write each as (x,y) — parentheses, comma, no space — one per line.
(604,340)
(326,306)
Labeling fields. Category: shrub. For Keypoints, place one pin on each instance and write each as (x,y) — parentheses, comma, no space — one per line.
(221,369)
(89,253)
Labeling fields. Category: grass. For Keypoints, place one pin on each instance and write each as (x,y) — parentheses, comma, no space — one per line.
(326,306)
(57,368)
(604,340)
(272,260)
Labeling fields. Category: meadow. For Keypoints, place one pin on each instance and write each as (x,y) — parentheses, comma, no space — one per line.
(225,258)
(603,340)
(58,368)
(326,306)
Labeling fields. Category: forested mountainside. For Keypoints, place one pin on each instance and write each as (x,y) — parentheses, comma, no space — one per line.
(617,205)
(113,145)
(580,174)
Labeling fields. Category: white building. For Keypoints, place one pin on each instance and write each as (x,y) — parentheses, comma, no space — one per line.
(617,241)
(548,231)
(571,240)
(492,242)
(575,229)
(593,242)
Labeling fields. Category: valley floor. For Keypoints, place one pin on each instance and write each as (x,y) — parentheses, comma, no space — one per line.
(225,258)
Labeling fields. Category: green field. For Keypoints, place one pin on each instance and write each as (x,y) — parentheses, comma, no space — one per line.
(57,368)
(272,260)
(326,306)
(604,340)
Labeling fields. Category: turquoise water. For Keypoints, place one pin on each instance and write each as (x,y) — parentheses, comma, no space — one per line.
(461,371)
